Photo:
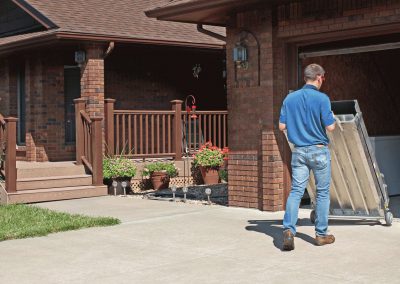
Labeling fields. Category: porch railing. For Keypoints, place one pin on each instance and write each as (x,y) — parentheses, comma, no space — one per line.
(166,133)
(8,153)
(89,141)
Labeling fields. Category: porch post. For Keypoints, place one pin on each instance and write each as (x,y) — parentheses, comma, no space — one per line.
(97,154)
(177,129)
(79,106)
(11,154)
(109,125)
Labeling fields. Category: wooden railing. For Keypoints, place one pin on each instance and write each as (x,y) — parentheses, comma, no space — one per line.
(89,148)
(207,126)
(8,153)
(167,133)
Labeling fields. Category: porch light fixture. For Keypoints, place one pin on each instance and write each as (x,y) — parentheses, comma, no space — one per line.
(80,57)
(240,56)
(114,185)
(124,185)
(173,189)
(208,192)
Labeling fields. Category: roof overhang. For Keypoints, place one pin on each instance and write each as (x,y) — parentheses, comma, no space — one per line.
(211,12)
(24,42)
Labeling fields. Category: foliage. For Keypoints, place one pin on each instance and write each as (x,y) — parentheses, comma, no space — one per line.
(24,221)
(118,167)
(223,174)
(209,156)
(167,167)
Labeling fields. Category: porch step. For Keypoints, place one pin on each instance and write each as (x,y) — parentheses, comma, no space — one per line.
(53,194)
(48,169)
(53,182)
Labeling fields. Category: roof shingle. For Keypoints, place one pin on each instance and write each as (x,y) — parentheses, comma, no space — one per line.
(120,18)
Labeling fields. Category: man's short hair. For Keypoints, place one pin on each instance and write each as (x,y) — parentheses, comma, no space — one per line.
(312,71)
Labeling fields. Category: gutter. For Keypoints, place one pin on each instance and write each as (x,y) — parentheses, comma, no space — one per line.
(210,33)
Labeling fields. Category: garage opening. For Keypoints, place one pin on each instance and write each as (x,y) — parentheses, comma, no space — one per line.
(366,70)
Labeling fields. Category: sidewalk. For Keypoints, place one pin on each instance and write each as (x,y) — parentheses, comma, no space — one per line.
(165,242)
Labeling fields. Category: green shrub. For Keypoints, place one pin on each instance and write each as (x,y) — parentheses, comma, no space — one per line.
(116,167)
(223,174)
(167,167)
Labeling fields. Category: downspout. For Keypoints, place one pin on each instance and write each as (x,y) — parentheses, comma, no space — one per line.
(210,33)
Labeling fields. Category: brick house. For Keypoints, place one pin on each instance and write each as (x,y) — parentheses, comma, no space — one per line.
(140,62)
(356,41)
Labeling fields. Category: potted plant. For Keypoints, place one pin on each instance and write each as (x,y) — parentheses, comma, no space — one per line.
(118,169)
(160,173)
(209,158)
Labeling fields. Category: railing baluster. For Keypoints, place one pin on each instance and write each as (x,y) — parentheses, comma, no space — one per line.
(164,141)
(215,129)
(117,135)
(224,135)
(152,133)
(141,133)
(200,136)
(169,134)
(194,134)
(158,133)
(135,134)
(146,133)
(209,127)
(219,131)
(130,134)
(123,134)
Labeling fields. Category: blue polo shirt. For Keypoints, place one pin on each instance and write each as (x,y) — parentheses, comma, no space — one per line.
(306,113)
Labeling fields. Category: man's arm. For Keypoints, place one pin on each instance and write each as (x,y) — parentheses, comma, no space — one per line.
(329,128)
(282,126)
(327,115)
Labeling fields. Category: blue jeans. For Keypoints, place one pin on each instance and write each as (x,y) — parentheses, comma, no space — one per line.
(304,159)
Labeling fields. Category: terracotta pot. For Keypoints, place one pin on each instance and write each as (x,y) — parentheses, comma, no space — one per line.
(210,176)
(160,180)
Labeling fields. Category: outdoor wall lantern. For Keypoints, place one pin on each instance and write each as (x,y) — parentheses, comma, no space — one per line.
(240,55)
(80,57)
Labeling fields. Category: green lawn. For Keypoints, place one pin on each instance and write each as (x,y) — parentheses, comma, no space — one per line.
(24,221)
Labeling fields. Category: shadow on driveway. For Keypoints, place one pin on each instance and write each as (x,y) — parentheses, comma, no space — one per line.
(273,228)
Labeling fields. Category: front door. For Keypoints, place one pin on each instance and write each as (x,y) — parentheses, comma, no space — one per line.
(72,90)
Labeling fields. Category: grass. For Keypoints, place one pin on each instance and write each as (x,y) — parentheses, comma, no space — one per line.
(24,221)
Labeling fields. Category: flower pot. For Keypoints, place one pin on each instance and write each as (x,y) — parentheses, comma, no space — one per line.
(160,180)
(120,189)
(210,175)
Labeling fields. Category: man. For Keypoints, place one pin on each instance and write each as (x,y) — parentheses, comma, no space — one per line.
(306,114)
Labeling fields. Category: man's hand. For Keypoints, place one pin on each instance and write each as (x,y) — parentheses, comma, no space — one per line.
(331,127)
(282,126)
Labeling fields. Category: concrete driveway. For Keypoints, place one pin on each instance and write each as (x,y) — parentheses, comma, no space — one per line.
(165,242)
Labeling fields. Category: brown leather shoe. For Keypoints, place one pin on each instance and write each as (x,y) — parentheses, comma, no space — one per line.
(288,240)
(324,240)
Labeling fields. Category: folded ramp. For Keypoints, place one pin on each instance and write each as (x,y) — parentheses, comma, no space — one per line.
(358,188)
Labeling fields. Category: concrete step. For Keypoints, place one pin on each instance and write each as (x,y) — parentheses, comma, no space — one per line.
(53,182)
(48,169)
(52,194)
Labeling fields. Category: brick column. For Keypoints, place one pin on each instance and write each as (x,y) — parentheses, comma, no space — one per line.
(92,80)
(255,166)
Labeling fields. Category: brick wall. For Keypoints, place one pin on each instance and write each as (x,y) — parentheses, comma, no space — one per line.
(316,16)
